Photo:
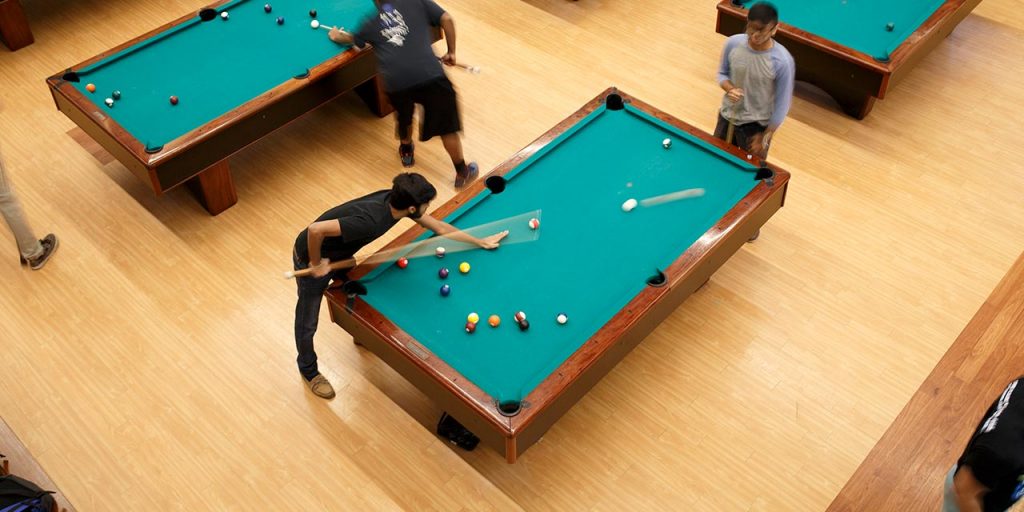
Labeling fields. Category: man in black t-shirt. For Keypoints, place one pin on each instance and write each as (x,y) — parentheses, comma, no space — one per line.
(401,34)
(338,234)
(989,476)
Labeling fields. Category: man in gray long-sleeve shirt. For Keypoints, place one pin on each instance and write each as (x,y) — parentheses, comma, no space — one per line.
(756,74)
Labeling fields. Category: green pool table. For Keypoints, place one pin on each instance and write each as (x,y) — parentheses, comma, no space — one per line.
(855,50)
(615,274)
(236,80)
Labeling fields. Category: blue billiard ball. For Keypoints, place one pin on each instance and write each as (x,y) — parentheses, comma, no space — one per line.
(280,20)
(445,290)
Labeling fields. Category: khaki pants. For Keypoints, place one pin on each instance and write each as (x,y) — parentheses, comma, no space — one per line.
(11,210)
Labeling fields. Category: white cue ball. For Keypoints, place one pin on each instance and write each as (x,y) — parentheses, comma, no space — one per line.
(314,24)
(667,143)
(629,205)
(224,15)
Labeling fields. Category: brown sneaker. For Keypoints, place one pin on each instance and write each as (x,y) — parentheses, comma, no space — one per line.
(321,387)
(49,244)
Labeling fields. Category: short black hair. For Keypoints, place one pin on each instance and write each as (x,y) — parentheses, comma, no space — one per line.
(411,189)
(763,12)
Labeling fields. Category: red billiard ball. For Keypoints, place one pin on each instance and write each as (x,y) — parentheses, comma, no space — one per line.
(534,223)
(519,316)
(443,273)
(402,262)
(470,327)
(174,100)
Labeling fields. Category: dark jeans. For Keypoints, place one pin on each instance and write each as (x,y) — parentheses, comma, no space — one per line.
(307,315)
(742,134)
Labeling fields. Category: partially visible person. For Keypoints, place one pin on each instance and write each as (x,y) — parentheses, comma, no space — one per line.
(35,252)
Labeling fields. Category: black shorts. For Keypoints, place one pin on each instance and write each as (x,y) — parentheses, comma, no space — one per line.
(440,108)
(742,135)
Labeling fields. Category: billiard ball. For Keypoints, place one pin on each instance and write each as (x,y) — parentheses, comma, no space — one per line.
(224,15)
(629,205)
(116,95)
(439,252)
(562,318)
(109,102)
(280,20)
(667,143)
(889,27)
(470,327)
(446,290)
(473,318)
(312,13)
(494,320)
(402,262)
(519,316)
(443,273)
(266,8)
(464,267)
(534,223)
(90,87)
(523,324)
(314,24)
(174,100)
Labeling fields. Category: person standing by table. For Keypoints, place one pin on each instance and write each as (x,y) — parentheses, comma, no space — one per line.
(338,234)
(34,252)
(989,475)
(401,35)
(756,73)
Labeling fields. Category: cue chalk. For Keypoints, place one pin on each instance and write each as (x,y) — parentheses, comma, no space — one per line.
(674,196)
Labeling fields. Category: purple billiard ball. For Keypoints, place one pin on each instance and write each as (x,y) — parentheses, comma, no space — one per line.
(446,290)
(443,273)
(266,8)
(280,20)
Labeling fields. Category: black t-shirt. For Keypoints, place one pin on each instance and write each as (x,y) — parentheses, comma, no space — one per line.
(401,34)
(996,451)
(362,221)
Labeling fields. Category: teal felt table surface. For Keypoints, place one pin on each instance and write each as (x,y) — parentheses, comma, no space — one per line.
(214,66)
(857,24)
(589,259)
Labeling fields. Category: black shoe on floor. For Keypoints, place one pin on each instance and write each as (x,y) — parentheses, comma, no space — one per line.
(405,152)
(450,429)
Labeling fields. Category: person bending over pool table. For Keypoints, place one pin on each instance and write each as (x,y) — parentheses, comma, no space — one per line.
(338,234)
(401,35)
(757,74)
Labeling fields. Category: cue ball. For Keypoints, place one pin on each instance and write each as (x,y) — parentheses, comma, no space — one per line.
(667,143)
(473,318)
(174,100)
(312,13)
(314,24)
(266,8)
(464,267)
(534,223)
(109,102)
(494,320)
(439,252)
(561,318)
(116,95)
(402,262)
(280,20)
(224,16)
(90,87)
(443,273)
(470,327)
(446,290)
(629,205)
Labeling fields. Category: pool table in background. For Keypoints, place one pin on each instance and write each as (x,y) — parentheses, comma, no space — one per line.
(615,274)
(844,46)
(237,80)
(15,32)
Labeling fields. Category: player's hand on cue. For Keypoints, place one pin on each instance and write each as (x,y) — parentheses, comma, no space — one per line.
(492,241)
(735,94)
(322,269)
(448,59)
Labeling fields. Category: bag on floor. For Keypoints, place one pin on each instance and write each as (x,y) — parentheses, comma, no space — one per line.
(20,495)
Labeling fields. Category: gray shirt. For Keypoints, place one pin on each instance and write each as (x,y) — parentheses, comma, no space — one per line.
(401,34)
(766,78)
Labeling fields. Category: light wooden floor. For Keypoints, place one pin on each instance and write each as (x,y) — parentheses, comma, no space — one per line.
(164,335)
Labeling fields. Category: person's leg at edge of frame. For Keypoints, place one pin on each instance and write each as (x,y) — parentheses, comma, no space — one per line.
(948,497)
(404,109)
(29,246)
(307,316)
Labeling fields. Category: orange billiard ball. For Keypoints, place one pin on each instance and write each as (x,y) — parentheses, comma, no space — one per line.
(90,87)
(494,320)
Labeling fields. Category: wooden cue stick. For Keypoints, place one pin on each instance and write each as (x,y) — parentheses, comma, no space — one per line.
(674,196)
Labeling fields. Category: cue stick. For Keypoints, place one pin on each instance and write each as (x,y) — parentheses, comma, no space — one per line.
(425,247)
(674,196)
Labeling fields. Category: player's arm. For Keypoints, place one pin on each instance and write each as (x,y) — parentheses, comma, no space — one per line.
(448,29)
(340,36)
(315,234)
(725,72)
(444,229)
(968,490)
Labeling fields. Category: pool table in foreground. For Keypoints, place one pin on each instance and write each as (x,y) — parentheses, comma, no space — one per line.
(845,46)
(236,80)
(615,274)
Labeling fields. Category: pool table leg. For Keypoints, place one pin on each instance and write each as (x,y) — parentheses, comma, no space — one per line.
(14,29)
(215,188)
